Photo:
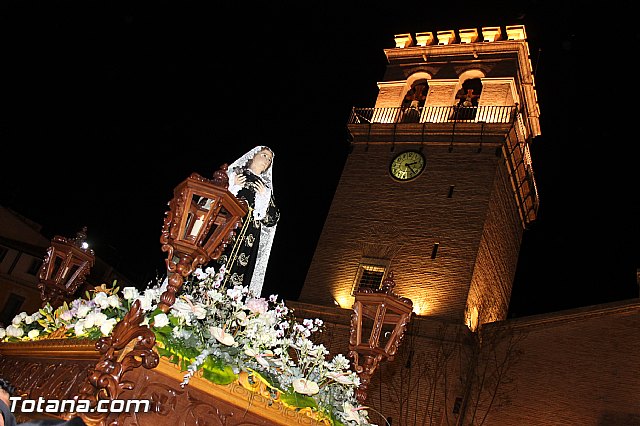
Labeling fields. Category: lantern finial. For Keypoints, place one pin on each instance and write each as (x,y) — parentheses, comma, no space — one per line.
(80,240)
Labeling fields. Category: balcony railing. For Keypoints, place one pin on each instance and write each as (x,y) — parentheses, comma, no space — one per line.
(434,114)
(454,124)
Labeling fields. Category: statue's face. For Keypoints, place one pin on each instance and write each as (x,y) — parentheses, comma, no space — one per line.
(261,161)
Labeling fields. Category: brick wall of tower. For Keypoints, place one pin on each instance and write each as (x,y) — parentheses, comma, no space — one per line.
(495,266)
(372,214)
(497,92)
(390,95)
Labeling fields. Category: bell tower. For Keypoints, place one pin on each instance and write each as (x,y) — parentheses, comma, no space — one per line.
(438,186)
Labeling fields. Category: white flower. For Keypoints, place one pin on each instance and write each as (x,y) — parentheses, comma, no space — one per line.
(235,293)
(340,362)
(342,378)
(318,351)
(180,333)
(13,331)
(305,387)
(185,308)
(258,333)
(83,310)
(350,413)
(215,296)
(78,328)
(199,311)
(100,299)
(107,326)
(160,320)
(241,318)
(130,293)
(94,319)
(302,330)
(200,274)
(182,310)
(259,356)
(146,300)
(221,336)
(114,301)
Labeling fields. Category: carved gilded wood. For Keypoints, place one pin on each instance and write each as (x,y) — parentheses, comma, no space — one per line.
(58,369)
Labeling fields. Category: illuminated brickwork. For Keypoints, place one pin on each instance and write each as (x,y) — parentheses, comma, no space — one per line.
(574,367)
(452,238)
(472,202)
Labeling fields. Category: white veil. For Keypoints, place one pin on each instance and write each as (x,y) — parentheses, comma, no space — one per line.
(261,204)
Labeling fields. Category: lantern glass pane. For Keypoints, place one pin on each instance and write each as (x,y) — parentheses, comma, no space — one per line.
(367,329)
(188,227)
(223,216)
(385,335)
(57,263)
(71,274)
(202,203)
(195,222)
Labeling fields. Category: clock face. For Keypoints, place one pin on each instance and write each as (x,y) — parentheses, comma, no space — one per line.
(407,165)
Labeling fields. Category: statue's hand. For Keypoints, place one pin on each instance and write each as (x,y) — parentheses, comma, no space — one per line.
(260,187)
(240,179)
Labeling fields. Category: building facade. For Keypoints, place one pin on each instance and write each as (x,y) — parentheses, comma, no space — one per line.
(438,189)
(23,249)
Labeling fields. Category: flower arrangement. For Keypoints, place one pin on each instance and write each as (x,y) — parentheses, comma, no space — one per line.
(226,334)
(91,317)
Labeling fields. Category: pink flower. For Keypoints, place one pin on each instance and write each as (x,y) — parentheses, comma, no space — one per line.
(258,306)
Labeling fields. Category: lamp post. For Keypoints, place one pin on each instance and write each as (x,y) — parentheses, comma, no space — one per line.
(65,267)
(384,315)
(201,221)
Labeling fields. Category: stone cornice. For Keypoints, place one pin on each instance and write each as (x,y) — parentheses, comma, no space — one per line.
(613,309)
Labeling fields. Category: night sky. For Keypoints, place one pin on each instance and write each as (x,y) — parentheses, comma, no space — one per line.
(107,106)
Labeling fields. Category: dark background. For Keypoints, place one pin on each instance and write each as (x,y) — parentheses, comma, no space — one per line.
(107,106)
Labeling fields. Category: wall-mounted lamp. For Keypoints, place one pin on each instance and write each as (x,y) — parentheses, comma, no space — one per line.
(384,316)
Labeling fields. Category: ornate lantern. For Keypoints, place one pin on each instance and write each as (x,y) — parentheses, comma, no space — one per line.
(385,316)
(65,267)
(201,221)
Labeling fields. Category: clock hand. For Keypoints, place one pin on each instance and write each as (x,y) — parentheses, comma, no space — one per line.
(411,168)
